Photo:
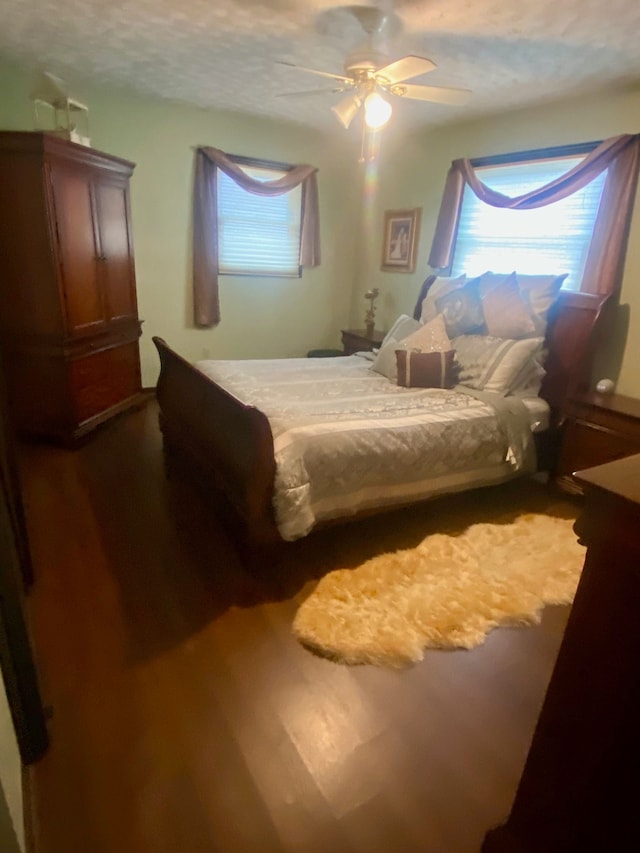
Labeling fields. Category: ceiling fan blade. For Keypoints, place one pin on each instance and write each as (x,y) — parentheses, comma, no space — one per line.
(436,94)
(309,92)
(346,109)
(405,68)
(340,77)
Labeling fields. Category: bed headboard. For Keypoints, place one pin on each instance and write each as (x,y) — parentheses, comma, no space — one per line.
(424,289)
(572,337)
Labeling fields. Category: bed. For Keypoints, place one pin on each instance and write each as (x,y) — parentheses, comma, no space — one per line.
(234,425)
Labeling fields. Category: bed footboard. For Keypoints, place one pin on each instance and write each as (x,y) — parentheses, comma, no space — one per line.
(229,442)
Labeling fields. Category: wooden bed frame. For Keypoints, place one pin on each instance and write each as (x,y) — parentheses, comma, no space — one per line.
(229,447)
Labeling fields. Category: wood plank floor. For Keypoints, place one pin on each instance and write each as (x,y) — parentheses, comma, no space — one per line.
(187,719)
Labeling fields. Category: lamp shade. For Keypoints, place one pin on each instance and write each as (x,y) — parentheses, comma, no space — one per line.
(377,111)
(346,109)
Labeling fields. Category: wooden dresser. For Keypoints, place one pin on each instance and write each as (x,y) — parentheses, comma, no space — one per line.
(598,428)
(69,324)
(579,792)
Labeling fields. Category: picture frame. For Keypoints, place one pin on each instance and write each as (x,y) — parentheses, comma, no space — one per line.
(400,239)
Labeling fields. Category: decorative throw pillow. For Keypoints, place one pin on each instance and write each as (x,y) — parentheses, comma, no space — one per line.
(401,329)
(431,337)
(385,361)
(506,315)
(538,292)
(490,280)
(541,291)
(426,369)
(493,364)
(462,310)
(440,287)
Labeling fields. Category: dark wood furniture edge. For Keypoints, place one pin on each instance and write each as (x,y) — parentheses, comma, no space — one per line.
(358,340)
(573,335)
(612,419)
(135,401)
(17,662)
(613,487)
(502,840)
(231,443)
(424,289)
(618,404)
(40,141)
(574,795)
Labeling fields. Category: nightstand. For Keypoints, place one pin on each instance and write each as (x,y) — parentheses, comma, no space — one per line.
(598,428)
(357,340)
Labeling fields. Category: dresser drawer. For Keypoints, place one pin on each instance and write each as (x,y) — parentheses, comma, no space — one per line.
(104,379)
(585,445)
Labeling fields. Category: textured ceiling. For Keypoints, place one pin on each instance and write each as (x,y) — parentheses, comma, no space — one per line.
(223,53)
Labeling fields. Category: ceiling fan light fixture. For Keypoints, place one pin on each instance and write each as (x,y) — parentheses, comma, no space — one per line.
(346,109)
(377,111)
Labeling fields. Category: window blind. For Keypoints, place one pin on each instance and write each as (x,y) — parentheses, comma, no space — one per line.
(553,239)
(258,235)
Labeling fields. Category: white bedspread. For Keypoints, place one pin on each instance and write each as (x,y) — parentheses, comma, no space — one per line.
(346,438)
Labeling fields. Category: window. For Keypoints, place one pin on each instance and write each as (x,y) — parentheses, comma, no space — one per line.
(258,235)
(553,239)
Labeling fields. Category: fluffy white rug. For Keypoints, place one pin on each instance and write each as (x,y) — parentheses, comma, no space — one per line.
(447,592)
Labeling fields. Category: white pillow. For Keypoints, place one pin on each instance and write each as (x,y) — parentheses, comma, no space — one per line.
(385,361)
(494,364)
(402,328)
(440,287)
(541,291)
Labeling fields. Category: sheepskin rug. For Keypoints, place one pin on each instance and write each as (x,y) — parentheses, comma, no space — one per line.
(446,592)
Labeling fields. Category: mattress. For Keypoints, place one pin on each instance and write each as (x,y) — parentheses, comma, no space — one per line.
(347,439)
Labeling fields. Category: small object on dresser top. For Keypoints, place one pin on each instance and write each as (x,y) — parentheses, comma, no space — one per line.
(369,318)
(605,386)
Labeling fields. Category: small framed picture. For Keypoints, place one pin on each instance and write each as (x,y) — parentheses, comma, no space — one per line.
(400,239)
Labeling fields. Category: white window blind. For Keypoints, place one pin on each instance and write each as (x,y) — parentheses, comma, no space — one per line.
(258,235)
(553,239)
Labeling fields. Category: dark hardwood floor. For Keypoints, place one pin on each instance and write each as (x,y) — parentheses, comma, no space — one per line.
(187,719)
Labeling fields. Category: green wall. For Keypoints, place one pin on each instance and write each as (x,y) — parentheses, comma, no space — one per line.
(261,317)
(413,171)
(284,317)
(11,807)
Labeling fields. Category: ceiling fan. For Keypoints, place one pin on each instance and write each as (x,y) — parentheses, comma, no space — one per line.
(369,75)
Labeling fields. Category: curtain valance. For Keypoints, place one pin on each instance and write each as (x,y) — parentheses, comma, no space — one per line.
(620,155)
(205,222)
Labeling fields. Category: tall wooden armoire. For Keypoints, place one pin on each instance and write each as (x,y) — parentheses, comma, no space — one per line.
(69,324)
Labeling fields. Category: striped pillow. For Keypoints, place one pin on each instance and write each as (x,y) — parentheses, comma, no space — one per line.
(493,364)
(426,369)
